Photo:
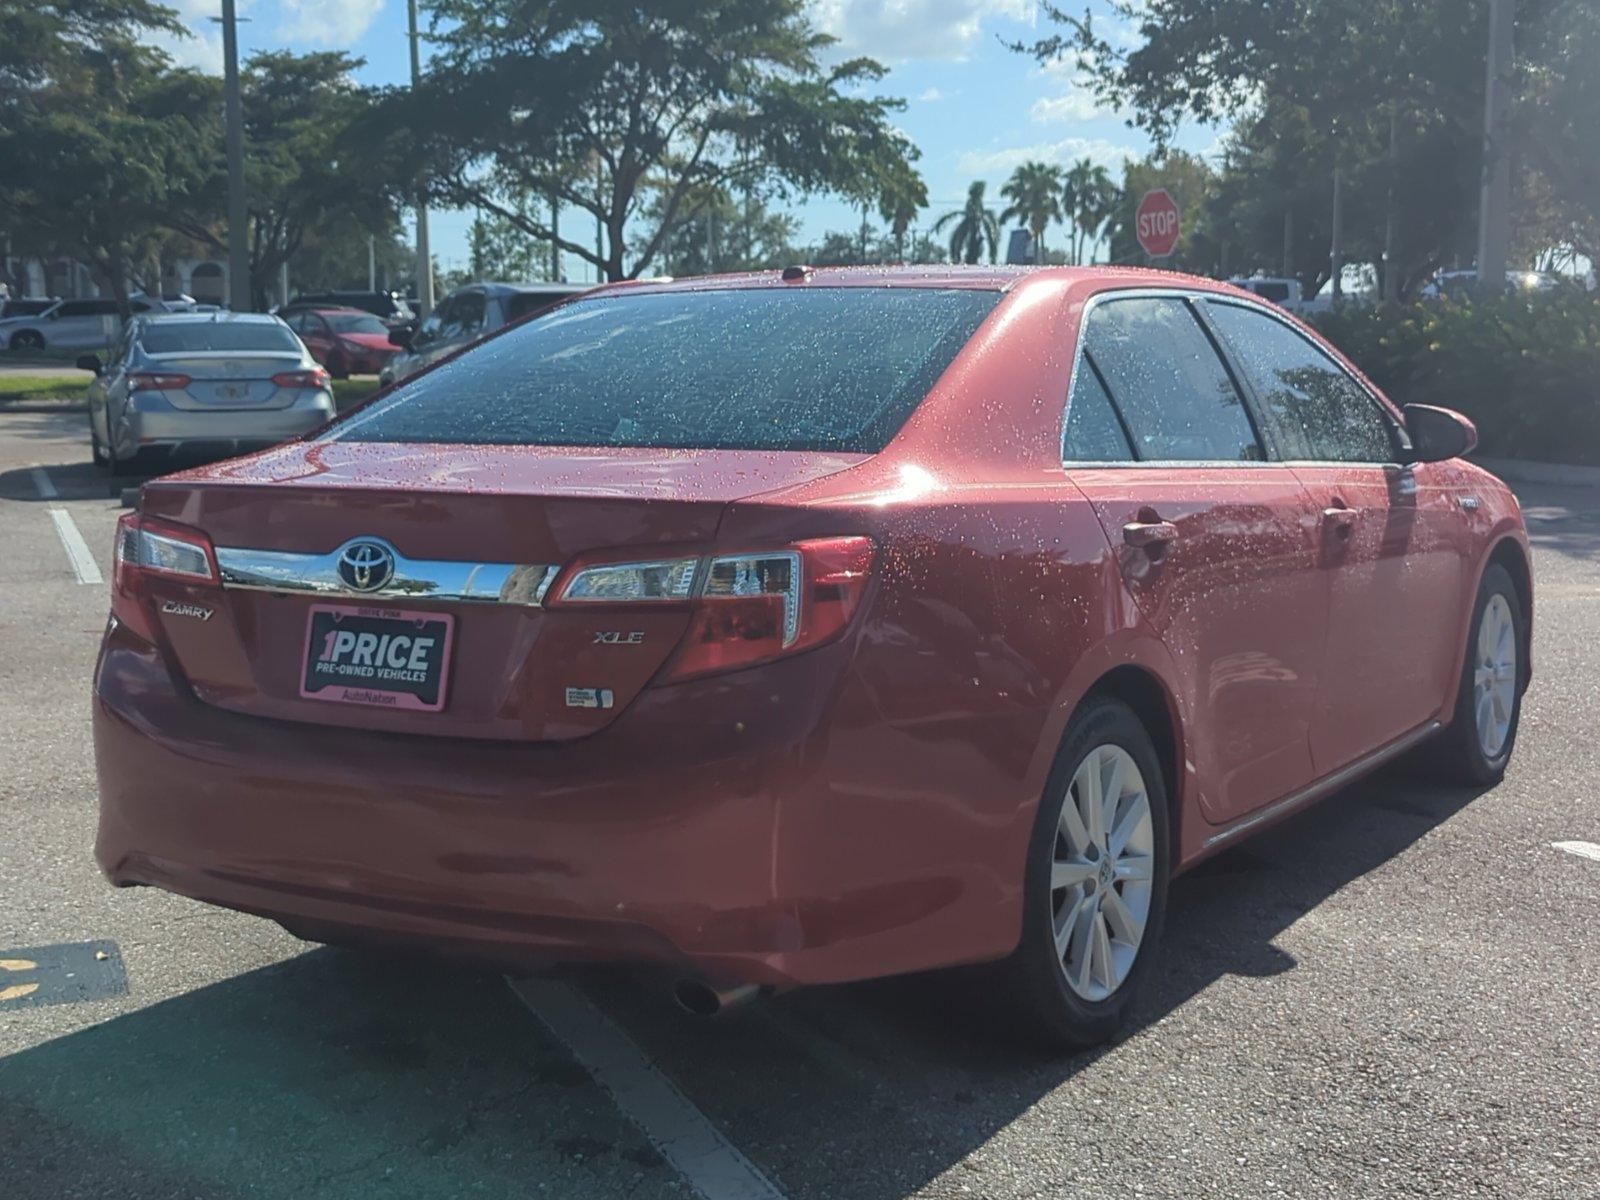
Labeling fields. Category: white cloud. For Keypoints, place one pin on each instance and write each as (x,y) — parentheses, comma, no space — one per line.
(896,30)
(929,95)
(1077,103)
(1063,153)
(203,50)
(327,24)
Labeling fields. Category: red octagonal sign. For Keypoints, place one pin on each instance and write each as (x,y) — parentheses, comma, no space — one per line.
(1156,223)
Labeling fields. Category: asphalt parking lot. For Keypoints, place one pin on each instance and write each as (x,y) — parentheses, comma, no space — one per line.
(1392,995)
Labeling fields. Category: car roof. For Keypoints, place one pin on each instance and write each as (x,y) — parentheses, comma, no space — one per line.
(500,286)
(197,318)
(335,308)
(942,275)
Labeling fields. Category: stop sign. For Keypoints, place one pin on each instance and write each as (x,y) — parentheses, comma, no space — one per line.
(1156,223)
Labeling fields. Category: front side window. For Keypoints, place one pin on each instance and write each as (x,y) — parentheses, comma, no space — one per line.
(1168,382)
(1317,412)
(815,368)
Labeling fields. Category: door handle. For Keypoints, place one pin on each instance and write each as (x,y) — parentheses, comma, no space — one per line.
(1339,520)
(1144,535)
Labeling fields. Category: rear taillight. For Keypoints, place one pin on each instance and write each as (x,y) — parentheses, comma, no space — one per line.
(747,608)
(157,381)
(150,548)
(316,378)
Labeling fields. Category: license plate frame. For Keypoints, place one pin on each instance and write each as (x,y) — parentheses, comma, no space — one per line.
(349,676)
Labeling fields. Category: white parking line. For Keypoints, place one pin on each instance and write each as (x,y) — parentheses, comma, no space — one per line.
(710,1164)
(1581,849)
(84,567)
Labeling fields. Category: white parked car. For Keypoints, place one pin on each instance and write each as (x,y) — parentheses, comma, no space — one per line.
(74,324)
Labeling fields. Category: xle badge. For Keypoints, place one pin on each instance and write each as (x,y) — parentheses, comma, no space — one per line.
(174,608)
(589,698)
(610,637)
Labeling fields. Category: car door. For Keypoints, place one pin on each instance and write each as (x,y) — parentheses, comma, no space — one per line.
(102,391)
(1215,543)
(1390,544)
(316,335)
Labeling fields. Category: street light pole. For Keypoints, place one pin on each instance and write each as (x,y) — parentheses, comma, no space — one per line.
(239,297)
(1494,209)
(424,255)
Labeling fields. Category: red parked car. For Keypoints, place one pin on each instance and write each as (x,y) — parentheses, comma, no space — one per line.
(805,628)
(345,340)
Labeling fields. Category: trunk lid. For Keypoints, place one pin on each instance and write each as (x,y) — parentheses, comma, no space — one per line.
(516,670)
(240,380)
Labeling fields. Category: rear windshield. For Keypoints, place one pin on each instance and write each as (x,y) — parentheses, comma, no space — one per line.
(354,323)
(201,336)
(754,369)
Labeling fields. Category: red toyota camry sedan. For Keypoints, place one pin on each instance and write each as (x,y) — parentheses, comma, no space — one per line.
(806,627)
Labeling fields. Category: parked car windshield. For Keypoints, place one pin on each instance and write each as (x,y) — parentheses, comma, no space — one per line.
(198,337)
(355,323)
(761,369)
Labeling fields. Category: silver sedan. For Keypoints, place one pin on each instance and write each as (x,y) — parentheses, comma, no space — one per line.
(202,383)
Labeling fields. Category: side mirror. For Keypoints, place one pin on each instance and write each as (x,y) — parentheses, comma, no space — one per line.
(401,337)
(1438,433)
(89,362)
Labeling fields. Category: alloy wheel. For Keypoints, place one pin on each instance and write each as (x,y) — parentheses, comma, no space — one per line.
(1494,676)
(1102,872)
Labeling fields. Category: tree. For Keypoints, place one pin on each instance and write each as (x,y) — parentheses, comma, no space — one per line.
(611,106)
(1193,185)
(902,196)
(1090,199)
(1035,191)
(724,235)
(97,136)
(972,227)
(301,172)
(1387,92)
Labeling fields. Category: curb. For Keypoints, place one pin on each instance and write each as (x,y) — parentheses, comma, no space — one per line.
(1516,470)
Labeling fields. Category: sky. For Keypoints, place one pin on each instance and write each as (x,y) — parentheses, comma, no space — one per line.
(973,107)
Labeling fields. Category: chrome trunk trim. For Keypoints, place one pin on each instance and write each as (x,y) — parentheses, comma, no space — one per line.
(412,578)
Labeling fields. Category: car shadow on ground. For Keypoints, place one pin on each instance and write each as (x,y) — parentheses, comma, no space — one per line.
(333,1072)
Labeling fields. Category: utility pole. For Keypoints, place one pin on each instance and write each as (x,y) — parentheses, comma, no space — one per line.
(1288,243)
(1391,223)
(555,239)
(372,264)
(1336,244)
(424,255)
(233,109)
(1494,209)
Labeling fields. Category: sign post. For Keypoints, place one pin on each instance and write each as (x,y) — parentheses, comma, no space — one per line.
(1157,224)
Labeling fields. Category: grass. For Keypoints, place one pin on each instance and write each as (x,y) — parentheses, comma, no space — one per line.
(14,388)
(18,387)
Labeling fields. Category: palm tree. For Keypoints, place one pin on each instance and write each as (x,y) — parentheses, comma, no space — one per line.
(898,204)
(974,225)
(1091,200)
(1035,191)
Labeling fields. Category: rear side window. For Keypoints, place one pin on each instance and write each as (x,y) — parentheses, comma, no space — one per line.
(200,337)
(1315,409)
(759,369)
(1094,434)
(1168,382)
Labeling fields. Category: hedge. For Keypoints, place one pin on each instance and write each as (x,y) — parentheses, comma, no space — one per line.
(1527,370)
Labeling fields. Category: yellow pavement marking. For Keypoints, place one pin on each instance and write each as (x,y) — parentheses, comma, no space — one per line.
(18,991)
(17,964)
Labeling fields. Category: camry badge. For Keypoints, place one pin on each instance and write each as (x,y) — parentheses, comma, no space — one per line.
(366,566)
(176,609)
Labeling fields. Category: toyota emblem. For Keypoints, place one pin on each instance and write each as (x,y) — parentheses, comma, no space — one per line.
(366,566)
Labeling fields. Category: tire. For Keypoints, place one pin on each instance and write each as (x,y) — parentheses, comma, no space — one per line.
(1094,1006)
(1465,752)
(338,367)
(27,339)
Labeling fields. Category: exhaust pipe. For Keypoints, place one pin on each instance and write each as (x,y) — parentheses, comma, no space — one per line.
(701,999)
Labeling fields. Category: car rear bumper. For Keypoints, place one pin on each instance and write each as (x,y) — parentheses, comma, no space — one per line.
(707,829)
(224,430)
